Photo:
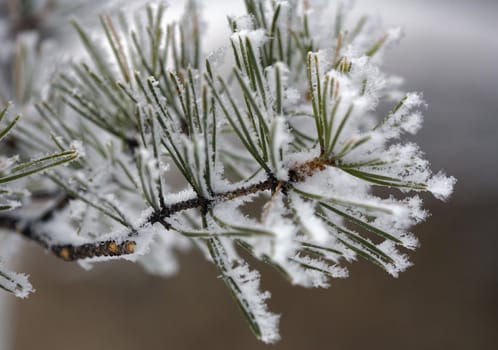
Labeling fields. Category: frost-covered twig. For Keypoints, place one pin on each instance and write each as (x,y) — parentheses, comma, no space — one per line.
(69,252)
(11,170)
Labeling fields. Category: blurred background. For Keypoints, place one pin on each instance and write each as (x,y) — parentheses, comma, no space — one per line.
(448,300)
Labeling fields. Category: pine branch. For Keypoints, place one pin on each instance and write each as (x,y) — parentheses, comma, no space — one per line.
(293,122)
(69,252)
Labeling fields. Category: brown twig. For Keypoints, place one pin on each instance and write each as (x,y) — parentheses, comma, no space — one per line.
(68,252)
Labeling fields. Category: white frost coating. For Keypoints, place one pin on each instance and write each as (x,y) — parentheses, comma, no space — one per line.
(13,204)
(16,283)
(280,141)
(406,118)
(217,57)
(400,261)
(413,99)
(8,162)
(441,186)
(283,229)
(79,147)
(77,209)
(331,270)
(257,37)
(305,211)
(244,22)
(305,277)
(160,258)
(413,123)
(338,187)
(248,282)
(244,283)
(290,94)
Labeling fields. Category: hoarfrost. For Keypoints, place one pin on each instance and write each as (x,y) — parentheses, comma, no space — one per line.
(248,281)
(441,186)
(16,283)
(159,258)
